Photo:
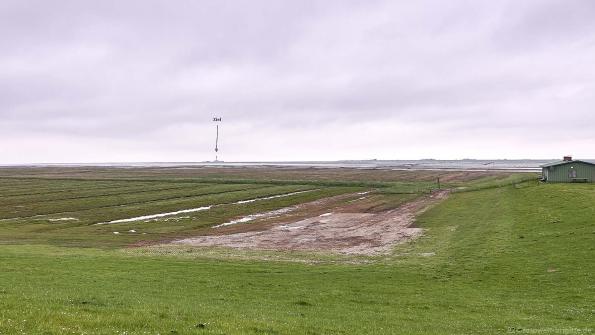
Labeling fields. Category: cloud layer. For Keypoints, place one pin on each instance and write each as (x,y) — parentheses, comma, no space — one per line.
(92,81)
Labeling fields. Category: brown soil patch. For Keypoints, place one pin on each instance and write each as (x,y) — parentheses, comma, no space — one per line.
(340,232)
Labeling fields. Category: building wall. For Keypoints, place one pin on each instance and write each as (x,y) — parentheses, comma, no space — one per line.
(561,173)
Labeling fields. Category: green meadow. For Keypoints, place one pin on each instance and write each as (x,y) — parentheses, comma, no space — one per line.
(506,255)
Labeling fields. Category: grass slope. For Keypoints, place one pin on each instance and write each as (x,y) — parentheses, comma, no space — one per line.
(505,260)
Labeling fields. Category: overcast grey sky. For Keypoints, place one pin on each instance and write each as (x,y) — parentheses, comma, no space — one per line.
(96,81)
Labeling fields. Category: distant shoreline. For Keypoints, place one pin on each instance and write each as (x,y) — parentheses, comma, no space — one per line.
(526,165)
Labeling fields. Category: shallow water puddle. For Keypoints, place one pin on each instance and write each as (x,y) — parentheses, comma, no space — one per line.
(146,218)
(358,199)
(271,197)
(63,219)
(175,218)
(257,216)
(160,215)
(289,227)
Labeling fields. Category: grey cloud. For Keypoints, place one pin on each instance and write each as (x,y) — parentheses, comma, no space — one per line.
(145,72)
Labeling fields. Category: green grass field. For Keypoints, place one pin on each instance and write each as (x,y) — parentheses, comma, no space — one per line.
(66,211)
(504,259)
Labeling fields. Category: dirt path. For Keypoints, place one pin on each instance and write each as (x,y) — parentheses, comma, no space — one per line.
(345,233)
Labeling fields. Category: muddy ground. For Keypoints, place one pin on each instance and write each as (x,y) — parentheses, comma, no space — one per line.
(341,230)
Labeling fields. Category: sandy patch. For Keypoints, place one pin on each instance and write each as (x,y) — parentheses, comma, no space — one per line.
(345,233)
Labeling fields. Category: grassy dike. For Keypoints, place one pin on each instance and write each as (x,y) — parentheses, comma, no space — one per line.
(502,260)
